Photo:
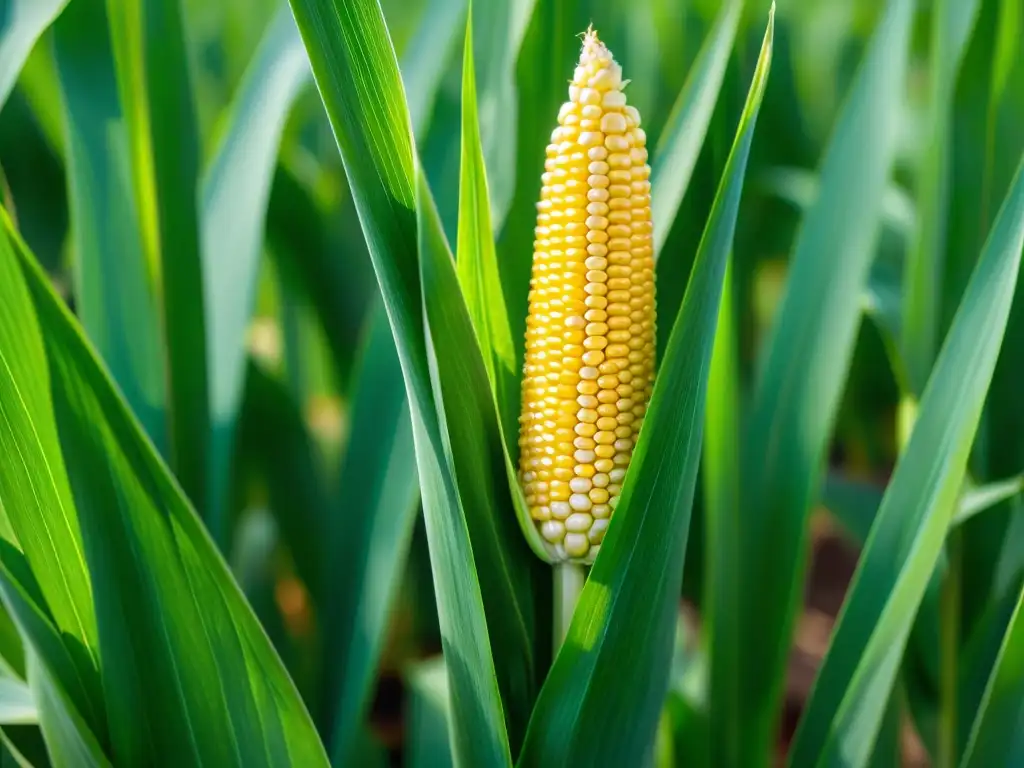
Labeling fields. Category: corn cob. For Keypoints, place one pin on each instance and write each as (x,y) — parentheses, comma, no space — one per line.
(589,366)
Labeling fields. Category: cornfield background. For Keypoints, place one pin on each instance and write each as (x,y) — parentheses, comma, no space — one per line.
(264,269)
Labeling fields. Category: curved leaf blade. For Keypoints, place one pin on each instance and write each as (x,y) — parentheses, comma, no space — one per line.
(115,291)
(355,69)
(153,75)
(843,715)
(24,21)
(477,256)
(368,539)
(683,135)
(803,371)
(187,671)
(235,192)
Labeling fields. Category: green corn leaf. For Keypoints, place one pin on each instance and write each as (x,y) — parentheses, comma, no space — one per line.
(303,238)
(426,56)
(78,698)
(842,718)
(629,606)
(979,666)
(978,499)
(235,192)
(802,373)
(115,288)
(16,704)
(24,21)
(368,540)
(274,438)
(429,712)
(683,134)
(499,30)
(153,75)
(477,258)
(188,674)
(800,187)
(952,22)
(68,739)
(721,516)
(24,747)
(855,503)
(41,539)
(462,497)
(12,651)
(39,85)
(476,456)
(989,109)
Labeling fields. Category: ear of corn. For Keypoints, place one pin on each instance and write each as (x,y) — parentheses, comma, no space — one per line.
(589,364)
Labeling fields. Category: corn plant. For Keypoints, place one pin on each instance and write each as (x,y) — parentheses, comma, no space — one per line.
(268,440)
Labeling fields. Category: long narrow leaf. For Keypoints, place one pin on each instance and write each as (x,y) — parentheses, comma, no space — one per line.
(368,539)
(153,74)
(477,258)
(721,516)
(371,124)
(115,288)
(22,24)
(499,30)
(803,370)
(843,715)
(952,22)
(187,672)
(235,192)
(683,135)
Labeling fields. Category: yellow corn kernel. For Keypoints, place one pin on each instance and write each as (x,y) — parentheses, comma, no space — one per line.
(589,366)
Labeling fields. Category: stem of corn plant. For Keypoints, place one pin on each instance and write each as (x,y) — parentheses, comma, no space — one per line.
(569,579)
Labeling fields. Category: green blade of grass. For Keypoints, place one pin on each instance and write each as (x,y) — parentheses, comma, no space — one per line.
(683,134)
(800,187)
(188,674)
(369,536)
(721,515)
(628,610)
(304,238)
(428,715)
(979,695)
(477,258)
(499,30)
(426,56)
(843,714)
(986,130)
(17,706)
(41,536)
(371,125)
(77,700)
(475,454)
(952,22)
(274,438)
(982,497)
(115,290)
(855,503)
(153,74)
(25,746)
(803,370)
(24,21)
(68,739)
(235,192)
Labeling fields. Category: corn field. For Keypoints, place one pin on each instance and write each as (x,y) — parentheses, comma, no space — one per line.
(512,382)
